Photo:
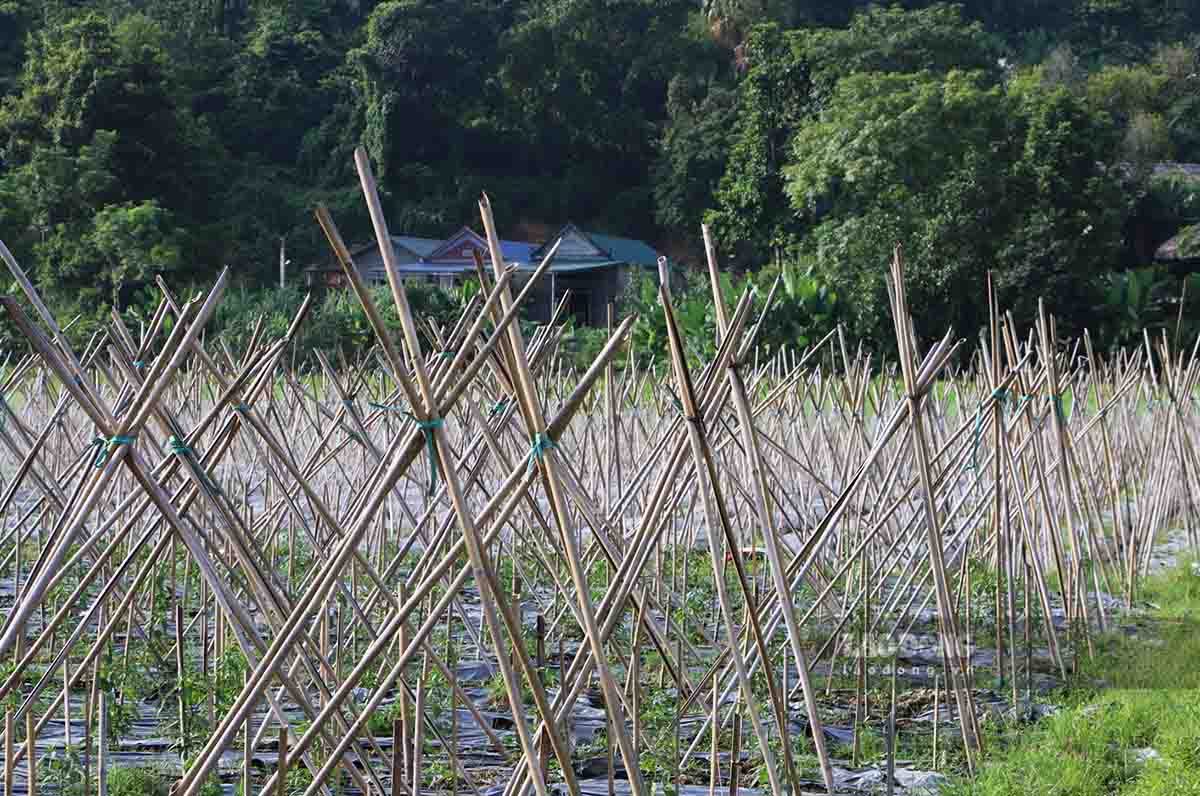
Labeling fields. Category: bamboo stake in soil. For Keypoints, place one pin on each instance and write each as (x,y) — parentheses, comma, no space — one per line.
(951,645)
(282,767)
(102,746)
(702,457)
(31,784)
(9,758)
(397,757)
(800,472)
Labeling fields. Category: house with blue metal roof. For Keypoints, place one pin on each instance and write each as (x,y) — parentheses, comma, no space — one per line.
(590,269)
(594,268)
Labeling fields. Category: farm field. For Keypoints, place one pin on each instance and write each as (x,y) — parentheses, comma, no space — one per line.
(464,565)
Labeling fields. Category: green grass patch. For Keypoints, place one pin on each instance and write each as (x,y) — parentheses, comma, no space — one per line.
(1129,725)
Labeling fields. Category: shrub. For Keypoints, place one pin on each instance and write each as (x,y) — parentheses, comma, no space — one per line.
(126,781)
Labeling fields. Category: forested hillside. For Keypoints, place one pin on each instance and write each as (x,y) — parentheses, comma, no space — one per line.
(173,137)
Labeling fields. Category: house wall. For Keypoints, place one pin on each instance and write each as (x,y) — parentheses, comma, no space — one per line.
(592,292)
(536,306)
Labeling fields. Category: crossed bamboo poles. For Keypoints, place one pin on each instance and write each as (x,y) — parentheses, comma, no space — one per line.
(1037,515)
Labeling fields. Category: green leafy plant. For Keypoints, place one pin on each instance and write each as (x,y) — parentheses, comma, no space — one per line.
(130,781)
(1134,301)
(62,771)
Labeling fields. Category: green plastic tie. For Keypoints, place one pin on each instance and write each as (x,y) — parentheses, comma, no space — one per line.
(1026,399)
(241,407)
(1001,397)
(104,447)
(1057,400)
(697,421)
(428,427)
(182,450)
(498,407)
(138,364)
(388,407)
(542,442)
(676,402)
(447,354)
(1041,418)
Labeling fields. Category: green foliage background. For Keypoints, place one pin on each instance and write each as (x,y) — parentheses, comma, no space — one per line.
(172,138)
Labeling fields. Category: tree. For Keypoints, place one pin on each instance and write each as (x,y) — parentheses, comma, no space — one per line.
(133,241)
(273,96)
(791,75)
(695,148)
(1070,202)
(891,39)
(89,74)
(585,89)
(13,24)
(968,176)
(1124,31)
(753,215)
(730,20)
(221,123)
(100,156)
(422,68)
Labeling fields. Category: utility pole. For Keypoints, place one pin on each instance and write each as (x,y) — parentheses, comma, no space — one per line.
(283,261)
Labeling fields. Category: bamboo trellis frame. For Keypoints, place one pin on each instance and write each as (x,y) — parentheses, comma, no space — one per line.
(523,503)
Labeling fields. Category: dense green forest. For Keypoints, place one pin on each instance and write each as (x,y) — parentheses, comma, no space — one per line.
(177,136)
